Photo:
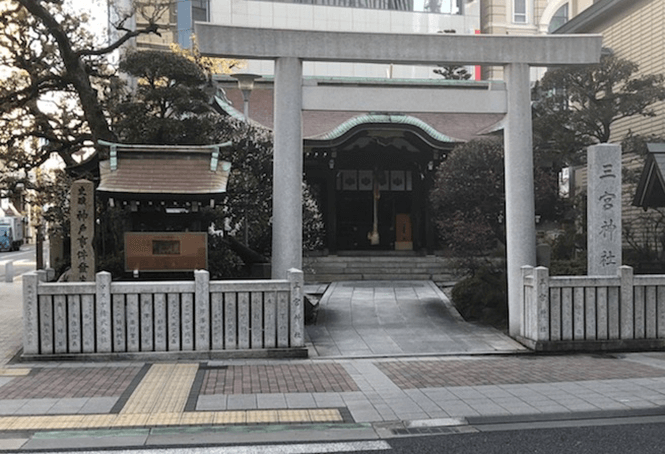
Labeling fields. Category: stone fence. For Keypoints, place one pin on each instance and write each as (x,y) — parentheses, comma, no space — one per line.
(186,318)
(623,312)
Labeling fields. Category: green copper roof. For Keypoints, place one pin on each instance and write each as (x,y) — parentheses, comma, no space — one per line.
(374,118)
(235,113)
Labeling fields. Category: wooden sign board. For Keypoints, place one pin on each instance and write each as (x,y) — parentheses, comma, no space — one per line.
(166,251)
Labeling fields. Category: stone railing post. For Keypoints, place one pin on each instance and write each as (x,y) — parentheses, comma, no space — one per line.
(626,311)
(31,313)
(103,312)
(526,297)
(202,310)
(9,271)
(542,302)
(297,310)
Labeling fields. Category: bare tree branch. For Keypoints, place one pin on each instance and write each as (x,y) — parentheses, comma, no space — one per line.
(150,29)
(76,72)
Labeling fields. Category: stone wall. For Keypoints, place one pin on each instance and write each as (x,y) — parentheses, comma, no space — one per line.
(186,317)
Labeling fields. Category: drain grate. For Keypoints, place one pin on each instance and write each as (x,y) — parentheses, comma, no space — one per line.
(382,284)
(204,366)
(438,430)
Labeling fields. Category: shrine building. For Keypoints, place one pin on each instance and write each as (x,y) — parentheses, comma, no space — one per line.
(371,172)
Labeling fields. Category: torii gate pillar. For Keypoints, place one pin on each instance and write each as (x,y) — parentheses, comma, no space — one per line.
(520,197)
(287,168)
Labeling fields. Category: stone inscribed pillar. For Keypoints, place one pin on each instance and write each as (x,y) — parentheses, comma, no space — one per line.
(604,210)
(82,219)
(297,280)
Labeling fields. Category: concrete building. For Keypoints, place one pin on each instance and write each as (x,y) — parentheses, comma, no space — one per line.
(528,17)
(395,16)
(525,17)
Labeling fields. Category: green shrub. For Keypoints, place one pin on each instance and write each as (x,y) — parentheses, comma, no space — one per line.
(572,267)
(483,297)
(223,263)
(114,263)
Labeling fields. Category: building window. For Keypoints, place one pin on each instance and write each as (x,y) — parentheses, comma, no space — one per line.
(559,18)
(188,12)
(519,11)
(395,5)
(200,11)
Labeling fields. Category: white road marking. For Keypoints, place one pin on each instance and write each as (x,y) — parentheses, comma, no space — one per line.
(25,262)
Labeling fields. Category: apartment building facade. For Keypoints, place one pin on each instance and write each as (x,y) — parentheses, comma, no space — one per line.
(525,17)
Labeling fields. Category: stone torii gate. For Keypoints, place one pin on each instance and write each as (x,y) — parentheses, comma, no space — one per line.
(289,48)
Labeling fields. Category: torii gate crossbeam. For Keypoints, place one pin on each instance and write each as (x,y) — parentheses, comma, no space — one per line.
(289,48)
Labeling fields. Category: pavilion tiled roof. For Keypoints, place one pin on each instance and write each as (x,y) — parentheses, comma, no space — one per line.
(164,171)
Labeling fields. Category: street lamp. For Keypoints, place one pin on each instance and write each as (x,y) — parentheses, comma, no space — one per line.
(246,85)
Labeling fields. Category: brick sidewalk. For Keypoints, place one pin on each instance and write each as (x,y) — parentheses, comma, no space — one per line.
(340,380)
(11,326)
(61,383)
(359,393)
(291,378)
(513,370)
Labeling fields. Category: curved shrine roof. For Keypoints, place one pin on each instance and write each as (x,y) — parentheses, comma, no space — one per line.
(164,170)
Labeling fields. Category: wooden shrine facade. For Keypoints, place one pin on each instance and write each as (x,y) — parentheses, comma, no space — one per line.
(164,188)
(372,175)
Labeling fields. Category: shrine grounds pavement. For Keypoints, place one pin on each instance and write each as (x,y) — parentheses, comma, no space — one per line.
(364,379)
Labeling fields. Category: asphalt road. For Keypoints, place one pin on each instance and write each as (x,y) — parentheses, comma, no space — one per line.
(607,438)
(24,261)
(622,439)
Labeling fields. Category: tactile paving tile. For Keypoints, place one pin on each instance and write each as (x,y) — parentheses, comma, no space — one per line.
(164,389)
(208,418)
(14,372)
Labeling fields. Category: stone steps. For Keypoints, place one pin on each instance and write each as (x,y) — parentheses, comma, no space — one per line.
(393,268)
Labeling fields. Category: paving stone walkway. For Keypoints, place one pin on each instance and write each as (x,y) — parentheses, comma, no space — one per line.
(361,390)
(384,318)
(510,371)
(268,378)
(70,382)
(11,313)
